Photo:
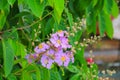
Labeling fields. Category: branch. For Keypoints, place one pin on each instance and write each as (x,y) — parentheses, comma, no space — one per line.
(25,27)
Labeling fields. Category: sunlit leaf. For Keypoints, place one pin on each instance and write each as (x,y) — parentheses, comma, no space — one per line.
(37,7)
(11,2)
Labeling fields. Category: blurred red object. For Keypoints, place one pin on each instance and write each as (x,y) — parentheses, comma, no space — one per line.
(90,60)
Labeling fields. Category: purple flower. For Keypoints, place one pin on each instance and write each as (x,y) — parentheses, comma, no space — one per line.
(31,57)
(50,53)
(41,48)
(70,55)
(60,33)
(62,59)
(60,41)
(46,61)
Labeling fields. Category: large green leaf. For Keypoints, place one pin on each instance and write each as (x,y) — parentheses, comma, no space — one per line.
(105,24)
(108,6)
(91,18)
(8,55)
(2,19)
(115,9)
(58,9)
(3,3)
(37,7)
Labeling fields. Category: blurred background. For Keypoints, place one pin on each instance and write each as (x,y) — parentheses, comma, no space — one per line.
(106,53)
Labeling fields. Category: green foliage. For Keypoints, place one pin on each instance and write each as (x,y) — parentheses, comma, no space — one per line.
(26,23)
(37,7)
(8,55)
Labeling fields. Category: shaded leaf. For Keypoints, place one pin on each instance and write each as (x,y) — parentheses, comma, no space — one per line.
(2,19)
(70,18)
(105,24)
(11,77)
(45,72)
(73,69)
(75,77)
(8,55)
(108,6)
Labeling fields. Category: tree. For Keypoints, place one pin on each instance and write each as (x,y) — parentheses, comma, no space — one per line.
(26,23)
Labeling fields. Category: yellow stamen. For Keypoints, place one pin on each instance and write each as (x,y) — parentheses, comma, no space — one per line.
(58,41)
(46,61)
(63,58)
(60,31)
(40,46)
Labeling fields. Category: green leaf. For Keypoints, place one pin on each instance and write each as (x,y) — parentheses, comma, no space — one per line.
(54,75)
(70,17)
(2,19)
(11,2)
(26,76)
(91,19)
(75,77)
(73,69)
(37,7)
(105,24)
(3,3)
(11,77)
(108,6)
(58,9)
(20,51)
(115,9)
(8,55)
(49,26)
(31,72)
(45,72)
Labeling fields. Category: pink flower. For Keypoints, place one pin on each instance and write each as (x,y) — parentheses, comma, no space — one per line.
(46,61)
(41,48)
(70,55)
(31,57)
(59,40)
(62,59)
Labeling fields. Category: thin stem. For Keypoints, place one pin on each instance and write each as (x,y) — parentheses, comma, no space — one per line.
(25,27)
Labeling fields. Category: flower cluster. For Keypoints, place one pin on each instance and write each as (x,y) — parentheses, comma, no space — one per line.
(56,51)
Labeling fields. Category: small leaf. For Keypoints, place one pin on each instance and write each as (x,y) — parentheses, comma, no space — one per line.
(37,7)
(8,55)
(45,72)
(2,19)
(54,75)
(115,9)
(11,2)
(58,9)
(73,69)
(70,18)
(75,77)
(11,77)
